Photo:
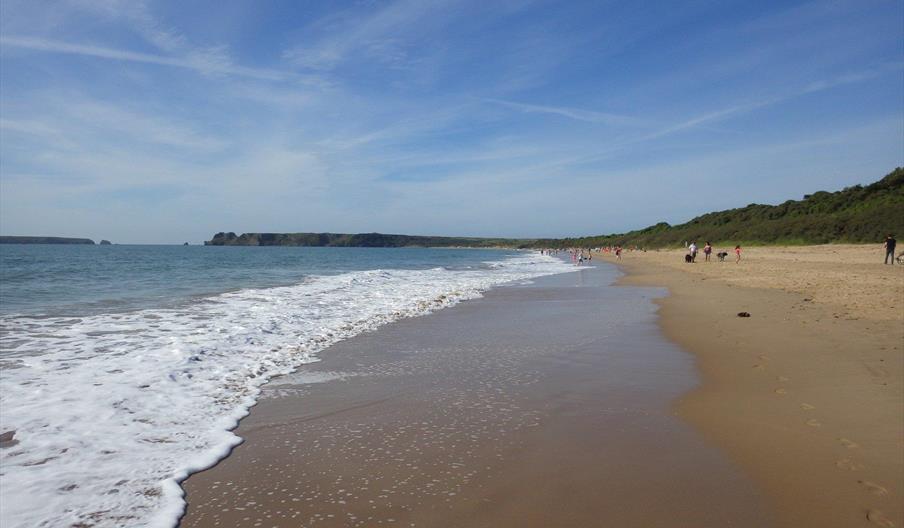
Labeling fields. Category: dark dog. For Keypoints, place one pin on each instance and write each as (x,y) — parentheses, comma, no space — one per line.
(722,256)
(688,258)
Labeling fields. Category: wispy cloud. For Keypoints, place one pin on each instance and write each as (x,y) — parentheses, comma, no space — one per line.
(406,126)
(469,117)
(374,35)
(578,114)
(709,117)
(76,120)
(211,61)
(814,87)
(853,77)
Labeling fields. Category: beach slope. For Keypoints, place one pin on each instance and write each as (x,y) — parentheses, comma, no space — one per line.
(806,393)
(541,404)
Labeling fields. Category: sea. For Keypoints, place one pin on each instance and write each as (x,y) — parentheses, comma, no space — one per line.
(124,368)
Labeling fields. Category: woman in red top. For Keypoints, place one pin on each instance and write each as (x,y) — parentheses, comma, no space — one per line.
(737,250)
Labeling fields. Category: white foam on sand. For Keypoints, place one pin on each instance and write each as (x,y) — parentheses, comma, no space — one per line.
(111,412)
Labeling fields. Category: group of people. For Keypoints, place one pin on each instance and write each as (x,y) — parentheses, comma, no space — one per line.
(578,257)
(616,250)
(707,252)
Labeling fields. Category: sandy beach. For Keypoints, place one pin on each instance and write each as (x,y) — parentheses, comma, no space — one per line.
(542,404)
(562,403)
(805,394)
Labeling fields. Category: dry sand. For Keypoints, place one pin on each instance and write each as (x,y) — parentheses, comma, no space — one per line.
(806,394)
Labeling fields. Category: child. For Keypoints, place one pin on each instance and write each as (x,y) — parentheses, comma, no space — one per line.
(737,250)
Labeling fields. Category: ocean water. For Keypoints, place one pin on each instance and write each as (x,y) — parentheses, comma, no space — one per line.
(123,369)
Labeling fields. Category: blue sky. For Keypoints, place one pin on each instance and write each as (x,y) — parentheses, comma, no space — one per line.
(164,122)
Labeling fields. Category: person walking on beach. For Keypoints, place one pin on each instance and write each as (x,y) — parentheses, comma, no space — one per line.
(890,244)
(707,249)
(737,250)
(692,251)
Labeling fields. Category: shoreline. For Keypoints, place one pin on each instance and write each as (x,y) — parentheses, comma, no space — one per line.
(805,395)
(537,405)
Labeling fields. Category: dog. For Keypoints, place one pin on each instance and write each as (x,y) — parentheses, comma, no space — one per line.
(688,258)
(722,255)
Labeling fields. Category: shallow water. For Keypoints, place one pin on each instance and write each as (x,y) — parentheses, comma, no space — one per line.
(541,404)
(126,367)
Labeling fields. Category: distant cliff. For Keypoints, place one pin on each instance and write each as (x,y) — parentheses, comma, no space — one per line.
(43,240)
(358,240)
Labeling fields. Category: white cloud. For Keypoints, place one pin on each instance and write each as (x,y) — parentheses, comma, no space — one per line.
(410,110)
(376,34)
(68,122)
(578,114)
(203,61)
(817,86)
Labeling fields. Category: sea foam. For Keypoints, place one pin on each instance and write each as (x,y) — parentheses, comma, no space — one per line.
(112,411)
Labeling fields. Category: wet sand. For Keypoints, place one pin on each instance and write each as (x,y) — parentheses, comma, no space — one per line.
(806,394)
(546,404)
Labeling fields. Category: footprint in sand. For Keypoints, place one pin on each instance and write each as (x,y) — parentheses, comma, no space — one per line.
(848,443)
(813,422)
(877,371)
(807,406)
(759,367)
(875,489)
(848,465)
(781,392)
(782,379)
(879,519)
(763,357)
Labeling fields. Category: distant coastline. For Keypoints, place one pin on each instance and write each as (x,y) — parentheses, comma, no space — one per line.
(857,214)
(44,240)
(361,240)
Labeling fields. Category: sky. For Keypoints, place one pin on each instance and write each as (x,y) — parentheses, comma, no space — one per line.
(165,122)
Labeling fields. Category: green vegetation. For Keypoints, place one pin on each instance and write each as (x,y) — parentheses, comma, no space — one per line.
(858,214)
